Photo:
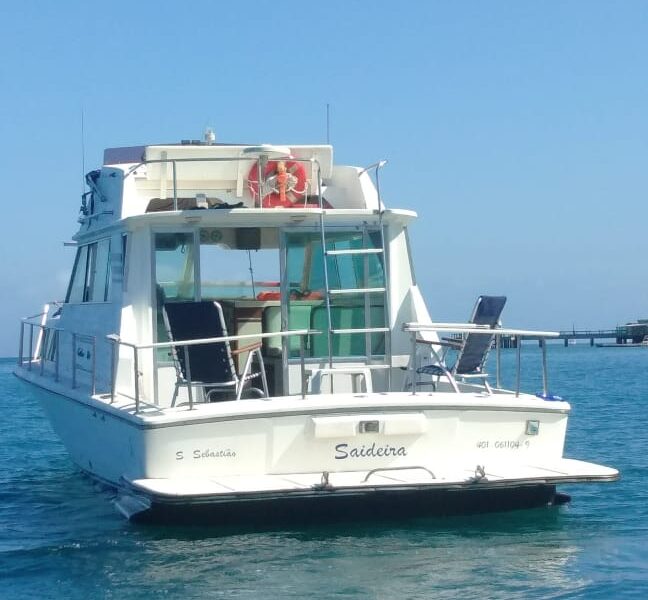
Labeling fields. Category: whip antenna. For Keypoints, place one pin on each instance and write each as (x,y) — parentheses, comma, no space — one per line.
(83,181)
(251,273)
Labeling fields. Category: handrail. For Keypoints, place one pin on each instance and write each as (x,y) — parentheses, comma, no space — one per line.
(229,338)
(477,329)
(41,350)
(116,340)
(381,469)
(258,160)
(212,159)
(87,218)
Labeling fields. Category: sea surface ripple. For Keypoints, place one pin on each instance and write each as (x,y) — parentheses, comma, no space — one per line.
(61,538)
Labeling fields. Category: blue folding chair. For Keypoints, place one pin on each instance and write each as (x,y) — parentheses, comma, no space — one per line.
(209,366)
(472,350)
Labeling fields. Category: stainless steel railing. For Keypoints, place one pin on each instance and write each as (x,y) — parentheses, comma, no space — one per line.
(49,341)
(466,328)
(40,358)
(137,348)
(261,162)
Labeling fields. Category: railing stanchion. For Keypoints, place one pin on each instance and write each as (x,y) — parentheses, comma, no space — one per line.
(519,365)
(31,345)
(412,368)
(21,343)
(43,348)
(136,367)
(189,383)
(545,381)
(498,361)
(113,370)
(302,366)
(94,365)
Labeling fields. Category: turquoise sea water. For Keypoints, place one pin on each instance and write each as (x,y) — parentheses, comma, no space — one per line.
(61,538)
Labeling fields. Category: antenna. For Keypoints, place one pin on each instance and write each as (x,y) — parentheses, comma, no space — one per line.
(83,181)
(251,273)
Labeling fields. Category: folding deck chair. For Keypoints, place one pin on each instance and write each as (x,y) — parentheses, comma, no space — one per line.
(472,350)
(209,366)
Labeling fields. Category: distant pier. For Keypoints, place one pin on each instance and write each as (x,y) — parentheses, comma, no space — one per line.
(621,335)
(633,333)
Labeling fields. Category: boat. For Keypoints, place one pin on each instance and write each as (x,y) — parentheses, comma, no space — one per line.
(614,345)
(624,344)
(243,340)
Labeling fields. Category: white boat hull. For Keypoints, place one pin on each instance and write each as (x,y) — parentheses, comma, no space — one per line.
(429,453)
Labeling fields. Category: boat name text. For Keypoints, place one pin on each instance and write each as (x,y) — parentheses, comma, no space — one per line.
(207,453)
(343,451)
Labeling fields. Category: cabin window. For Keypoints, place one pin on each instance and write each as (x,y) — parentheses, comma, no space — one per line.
(76,289)
(90,281)
(233,264)
(174,277)
(224,264)
(307,302)
(174,266)
(99,273)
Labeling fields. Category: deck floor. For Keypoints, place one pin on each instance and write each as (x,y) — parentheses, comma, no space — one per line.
(562,470)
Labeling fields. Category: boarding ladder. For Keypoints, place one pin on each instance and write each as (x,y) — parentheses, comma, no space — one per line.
(366,291)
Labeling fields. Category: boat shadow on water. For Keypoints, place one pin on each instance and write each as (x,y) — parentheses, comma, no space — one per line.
(371,518)
(548,521)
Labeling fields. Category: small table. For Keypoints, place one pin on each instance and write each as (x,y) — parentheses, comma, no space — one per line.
(316,375)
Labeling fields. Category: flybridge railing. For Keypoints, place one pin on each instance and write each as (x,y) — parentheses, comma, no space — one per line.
(261,162)
(184,345)
(469,328)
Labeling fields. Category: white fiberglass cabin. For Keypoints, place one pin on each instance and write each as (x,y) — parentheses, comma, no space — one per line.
(243,337)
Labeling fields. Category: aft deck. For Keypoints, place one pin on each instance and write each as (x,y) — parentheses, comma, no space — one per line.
(436,475)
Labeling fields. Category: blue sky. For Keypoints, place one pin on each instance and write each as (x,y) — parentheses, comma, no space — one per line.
(517,130)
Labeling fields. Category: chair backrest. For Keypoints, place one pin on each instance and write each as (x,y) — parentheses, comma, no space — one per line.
(209,363)
(476,346)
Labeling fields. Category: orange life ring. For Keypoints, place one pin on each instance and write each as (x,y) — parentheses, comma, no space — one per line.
(286,180)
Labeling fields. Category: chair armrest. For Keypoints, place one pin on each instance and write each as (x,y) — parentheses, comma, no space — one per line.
(248,348)
(447,343)
(457,343)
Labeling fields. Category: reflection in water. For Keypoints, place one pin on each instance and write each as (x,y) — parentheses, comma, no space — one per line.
(496,556)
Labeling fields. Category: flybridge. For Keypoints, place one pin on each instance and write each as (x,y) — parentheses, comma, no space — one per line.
(323,154)
(172,177)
